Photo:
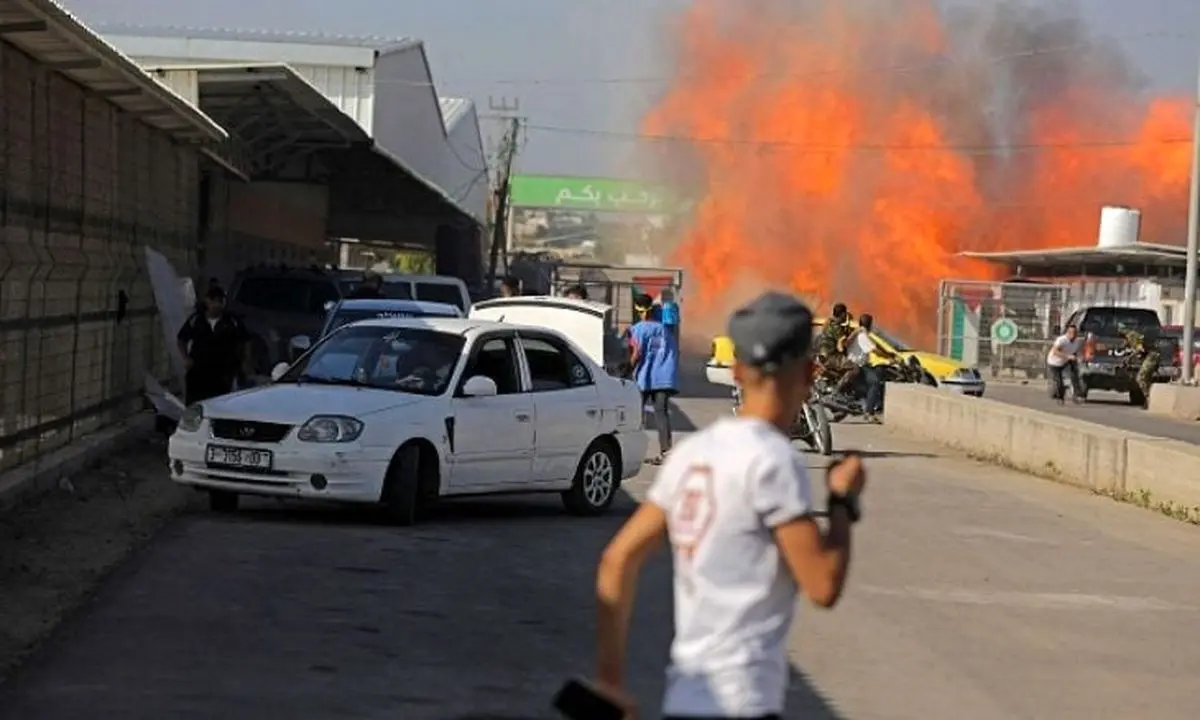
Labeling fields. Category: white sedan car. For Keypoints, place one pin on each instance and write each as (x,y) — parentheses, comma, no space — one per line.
(405,411)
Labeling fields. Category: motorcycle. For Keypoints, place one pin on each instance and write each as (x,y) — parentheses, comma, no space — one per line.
(812,423)
(848,402)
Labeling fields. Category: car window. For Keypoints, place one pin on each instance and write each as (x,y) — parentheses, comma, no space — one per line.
(286,294)
(1111,321)
(390,290)
(440,292)
(415,360)
(552,366)
(496,359)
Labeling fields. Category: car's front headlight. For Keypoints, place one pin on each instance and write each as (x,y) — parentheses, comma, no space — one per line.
(191,418)
(330,429)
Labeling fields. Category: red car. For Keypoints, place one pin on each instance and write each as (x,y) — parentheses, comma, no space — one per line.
(1176,331)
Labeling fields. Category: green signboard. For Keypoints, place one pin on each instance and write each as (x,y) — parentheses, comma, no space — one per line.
(590,194)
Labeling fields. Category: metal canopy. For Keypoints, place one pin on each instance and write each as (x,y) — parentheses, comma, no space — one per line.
(54,38)
(1132,260)
(275,115)
(367,179)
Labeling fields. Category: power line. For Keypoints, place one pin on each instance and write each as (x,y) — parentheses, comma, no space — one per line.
(856,147)
(884,68)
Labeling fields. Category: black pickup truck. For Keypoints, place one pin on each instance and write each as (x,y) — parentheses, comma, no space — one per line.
(1105,365)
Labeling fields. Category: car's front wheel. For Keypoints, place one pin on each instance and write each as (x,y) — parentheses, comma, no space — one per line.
(596,480)
(401,487)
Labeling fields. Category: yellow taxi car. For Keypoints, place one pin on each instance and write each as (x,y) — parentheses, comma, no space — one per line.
(948,372)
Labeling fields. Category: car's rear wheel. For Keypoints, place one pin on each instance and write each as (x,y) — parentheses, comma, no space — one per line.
(596,479)
(222,501)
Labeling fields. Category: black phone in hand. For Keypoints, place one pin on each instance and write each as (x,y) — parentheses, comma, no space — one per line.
(577,700)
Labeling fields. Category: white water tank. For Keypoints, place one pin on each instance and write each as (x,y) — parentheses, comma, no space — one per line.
(1119,227)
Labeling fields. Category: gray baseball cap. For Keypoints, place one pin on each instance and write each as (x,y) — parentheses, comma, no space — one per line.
(773,329)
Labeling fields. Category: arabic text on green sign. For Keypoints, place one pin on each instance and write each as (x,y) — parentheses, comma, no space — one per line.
(594,194)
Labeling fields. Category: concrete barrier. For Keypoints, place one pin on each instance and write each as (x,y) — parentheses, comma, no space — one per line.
(1072,451)
(1167,470)
(1181,402)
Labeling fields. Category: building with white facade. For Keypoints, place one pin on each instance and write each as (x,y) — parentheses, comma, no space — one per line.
(341,138)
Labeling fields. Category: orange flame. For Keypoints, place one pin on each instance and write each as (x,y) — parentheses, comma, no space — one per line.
(822,169)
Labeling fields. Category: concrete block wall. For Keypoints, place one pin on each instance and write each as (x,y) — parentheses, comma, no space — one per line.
(1072,451)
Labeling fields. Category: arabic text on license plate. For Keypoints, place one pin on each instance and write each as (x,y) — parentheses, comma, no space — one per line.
(238,457)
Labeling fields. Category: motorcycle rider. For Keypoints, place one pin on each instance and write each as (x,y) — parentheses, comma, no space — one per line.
(831,347)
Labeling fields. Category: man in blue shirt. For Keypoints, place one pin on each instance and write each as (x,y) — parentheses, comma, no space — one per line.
(655,360)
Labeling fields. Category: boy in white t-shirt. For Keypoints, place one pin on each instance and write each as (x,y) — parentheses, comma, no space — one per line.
(735,503)
(1063,359)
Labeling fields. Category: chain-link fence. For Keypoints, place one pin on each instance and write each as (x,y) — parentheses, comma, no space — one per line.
(83,188)
(1004,329)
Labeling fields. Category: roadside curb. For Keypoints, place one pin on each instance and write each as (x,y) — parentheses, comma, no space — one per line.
(46,473)
(1155,472)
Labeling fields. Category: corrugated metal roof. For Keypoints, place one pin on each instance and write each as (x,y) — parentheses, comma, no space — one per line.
(250,35)
(454,110)
(56,39)
(237,95)
(1136,254)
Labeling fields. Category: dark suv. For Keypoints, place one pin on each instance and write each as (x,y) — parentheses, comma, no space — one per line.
(279,303)
(1104,365)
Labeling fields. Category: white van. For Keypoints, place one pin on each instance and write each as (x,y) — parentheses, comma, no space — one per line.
(427,288)
(590,325)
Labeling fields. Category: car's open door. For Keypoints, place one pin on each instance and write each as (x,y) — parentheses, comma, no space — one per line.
(590,325)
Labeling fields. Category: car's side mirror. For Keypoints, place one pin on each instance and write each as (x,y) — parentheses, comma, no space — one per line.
(480,386)
(300,343)
(278,371)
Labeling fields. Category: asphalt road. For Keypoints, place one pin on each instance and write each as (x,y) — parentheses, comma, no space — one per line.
(1105,408)
(976,593)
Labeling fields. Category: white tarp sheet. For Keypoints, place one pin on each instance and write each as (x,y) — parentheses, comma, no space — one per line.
(176,299)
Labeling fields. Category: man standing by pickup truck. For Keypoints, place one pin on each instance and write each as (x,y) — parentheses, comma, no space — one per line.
(1063,359)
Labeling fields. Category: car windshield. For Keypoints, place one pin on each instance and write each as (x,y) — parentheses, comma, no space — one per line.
(390,290)
(892,340)
(440,293)
(345,316)
(405,359)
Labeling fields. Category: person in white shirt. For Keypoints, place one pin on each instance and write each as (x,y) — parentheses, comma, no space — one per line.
(1063,359)
(861,347)
(734,501)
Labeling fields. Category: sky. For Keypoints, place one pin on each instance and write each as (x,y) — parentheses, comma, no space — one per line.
(561,57)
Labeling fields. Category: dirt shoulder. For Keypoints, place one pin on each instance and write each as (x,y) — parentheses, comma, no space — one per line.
(55,549)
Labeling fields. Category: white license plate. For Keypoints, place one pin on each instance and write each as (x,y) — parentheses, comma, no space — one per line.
(238,457)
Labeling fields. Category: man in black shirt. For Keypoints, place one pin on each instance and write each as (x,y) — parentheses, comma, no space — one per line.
(510,287)
(213,343)
(370,289)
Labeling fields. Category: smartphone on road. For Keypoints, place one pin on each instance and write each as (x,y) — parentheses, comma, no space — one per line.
(577,700)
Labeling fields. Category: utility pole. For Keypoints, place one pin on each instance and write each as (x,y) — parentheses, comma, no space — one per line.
(508,151)
(1193,247)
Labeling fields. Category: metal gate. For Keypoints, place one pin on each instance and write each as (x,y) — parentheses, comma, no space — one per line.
(1002,328)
